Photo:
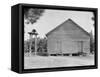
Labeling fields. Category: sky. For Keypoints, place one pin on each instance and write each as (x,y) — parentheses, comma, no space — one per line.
(52,18)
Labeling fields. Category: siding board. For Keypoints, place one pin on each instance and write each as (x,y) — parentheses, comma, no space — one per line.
(66,38)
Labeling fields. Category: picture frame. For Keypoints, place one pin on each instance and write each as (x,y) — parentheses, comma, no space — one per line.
(18,36)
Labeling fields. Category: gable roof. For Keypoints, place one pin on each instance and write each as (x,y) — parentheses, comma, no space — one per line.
(66,22)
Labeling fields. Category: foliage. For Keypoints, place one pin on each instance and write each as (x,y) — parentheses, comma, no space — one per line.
(26,46)
(41,45)
(31,15)
(92,43)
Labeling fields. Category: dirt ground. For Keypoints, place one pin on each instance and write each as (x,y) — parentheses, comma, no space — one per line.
(57,61)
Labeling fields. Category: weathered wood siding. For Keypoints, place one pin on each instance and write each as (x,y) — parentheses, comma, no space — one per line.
(66,39)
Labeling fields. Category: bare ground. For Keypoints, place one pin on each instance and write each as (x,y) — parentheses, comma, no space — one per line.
(57,61)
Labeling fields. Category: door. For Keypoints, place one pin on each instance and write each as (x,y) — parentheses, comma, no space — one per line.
(59,47)
(80,46)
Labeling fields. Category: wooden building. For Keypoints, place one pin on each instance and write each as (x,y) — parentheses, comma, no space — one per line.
(68,38)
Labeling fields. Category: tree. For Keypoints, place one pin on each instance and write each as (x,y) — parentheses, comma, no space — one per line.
(92,38)
(93,18)
(91,43)
(31,15)
(26,46)
(41,46)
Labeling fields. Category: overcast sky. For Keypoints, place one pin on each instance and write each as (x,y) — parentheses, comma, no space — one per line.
(52,18)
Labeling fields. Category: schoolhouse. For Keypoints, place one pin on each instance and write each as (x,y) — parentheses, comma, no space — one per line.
(68,37)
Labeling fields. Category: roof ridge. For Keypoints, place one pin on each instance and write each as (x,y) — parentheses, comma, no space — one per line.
(69,19)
